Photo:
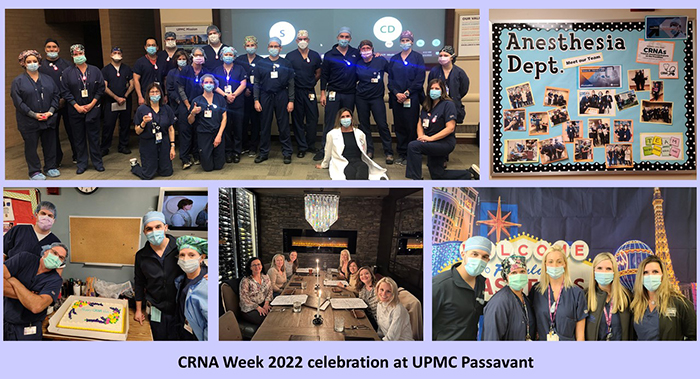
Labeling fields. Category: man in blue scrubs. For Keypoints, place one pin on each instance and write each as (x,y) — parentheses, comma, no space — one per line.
(30,285)
(118,86)
(148,69)
(31,238)
(212,51)
(251,117)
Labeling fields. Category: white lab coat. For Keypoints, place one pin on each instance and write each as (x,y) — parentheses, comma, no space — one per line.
(335,162)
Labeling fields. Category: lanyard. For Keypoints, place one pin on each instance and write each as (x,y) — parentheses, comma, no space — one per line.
(553,307)
(527,316)
(228,74)
(83,78)
(608,319)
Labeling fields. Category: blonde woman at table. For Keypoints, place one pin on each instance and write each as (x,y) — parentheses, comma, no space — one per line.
(291,265)
(277,274)
(344,260)
(256,293)
(366,287)
(392,318)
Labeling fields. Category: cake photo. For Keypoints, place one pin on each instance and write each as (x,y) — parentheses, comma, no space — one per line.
(100,315)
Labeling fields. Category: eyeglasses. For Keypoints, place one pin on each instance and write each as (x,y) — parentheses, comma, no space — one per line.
(52,251)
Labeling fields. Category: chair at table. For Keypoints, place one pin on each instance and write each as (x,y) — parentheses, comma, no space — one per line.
(231,301)
(228,328)
(415,312)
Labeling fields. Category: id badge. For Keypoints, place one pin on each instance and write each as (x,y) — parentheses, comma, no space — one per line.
(252,79)
(552,336)
(84,93)
(188,328)
(331,96)
(227,89)
(159,137)
(671,312)
(426,123)
(155,314)
(274,75)
(30,330)
(312,96)
(374,80)
(407,103)
(207,113)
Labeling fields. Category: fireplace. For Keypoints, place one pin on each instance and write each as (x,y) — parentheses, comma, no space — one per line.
(310,241)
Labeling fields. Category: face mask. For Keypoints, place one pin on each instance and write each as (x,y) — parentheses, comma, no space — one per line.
(303,44)
(209,87)
(117,58)
(406,46)
(52,54)
(444,60)
(345,122)
(251,50)
(181,63)
(52,262)
(79,59)
(366,54)
(156,237)
(44,222)
(188,266)
(343,42)
(517,281)
(170,44)
(604,278)
(435,94)
(214,38)
(155,98)
(555,272)
(198,60)
(475,266)
(151,50)
(273,51)
(652,282)
(33,67)
(228,59)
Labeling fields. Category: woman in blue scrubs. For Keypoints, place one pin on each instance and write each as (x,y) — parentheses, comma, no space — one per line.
(36,98)
(508,315)
(661,312)
(192,291)
(232,82)
(178,101)
(559,305)
(154,126)
(455,79)
(31,238)
(208,118)
(191,81)
(609,314)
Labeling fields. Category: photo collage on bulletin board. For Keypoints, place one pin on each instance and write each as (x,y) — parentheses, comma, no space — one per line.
(593,96)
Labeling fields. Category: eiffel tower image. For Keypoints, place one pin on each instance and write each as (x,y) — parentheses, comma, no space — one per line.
(660,237)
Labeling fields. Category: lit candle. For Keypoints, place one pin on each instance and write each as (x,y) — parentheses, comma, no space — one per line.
(318,307)
(317,272)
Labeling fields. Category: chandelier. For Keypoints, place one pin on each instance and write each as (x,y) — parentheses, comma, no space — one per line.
(321,210)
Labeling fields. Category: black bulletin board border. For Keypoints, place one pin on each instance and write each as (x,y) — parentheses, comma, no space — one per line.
(501,168)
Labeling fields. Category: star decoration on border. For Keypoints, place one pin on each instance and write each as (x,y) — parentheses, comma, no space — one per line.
(498,222)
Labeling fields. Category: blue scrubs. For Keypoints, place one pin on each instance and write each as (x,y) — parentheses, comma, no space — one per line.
(155,155)
(615,325)
(24,267)
(213,59)
(176,99)
(29,98)
(212,158)
(305,114)
(150,72)
(192,303)
(170,61)
(571,309)
(23,238)
(54,69)
(274,93)
(191,82)
(457,85)
(370,98)
(251,117)
(507,319)
(406,75)
(338,75)
(117,82)
(86,127)
(648,328)
(230,81)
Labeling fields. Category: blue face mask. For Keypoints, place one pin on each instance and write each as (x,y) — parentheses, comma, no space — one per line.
(517,281)
(33,67)
(155,98)
(343,42)
(274,51)
(652,282)
(181,63)
(406,46)
(435,94)
(604,278)
(475,266)
(555,272)
(251,50)
(79,59)
(208,87)
(52,54)
(151,50)
(228,59)
(345,122)
(156,237)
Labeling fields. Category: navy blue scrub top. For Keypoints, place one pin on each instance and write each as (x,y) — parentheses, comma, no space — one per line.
(615,325)
(38,97)
(263,78)
(72,84)
(338,70)
(212,124)
(173,84)
(249,68)
(457,83)
(571,309)
(438,117)
(24,266)
(117,84)
(192,82)
(370,78)
(304,69)
(233,78)
(23,238)
(148,71)
(648,328)
(170,62)
(407,75)
(164,119)
(54,69)
(505,318)
(213,59)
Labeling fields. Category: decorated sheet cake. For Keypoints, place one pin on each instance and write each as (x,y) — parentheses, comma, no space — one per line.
(99,315)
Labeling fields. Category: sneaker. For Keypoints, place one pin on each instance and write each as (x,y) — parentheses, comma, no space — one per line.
(196,161)
(252,153)
(133,162)
(389,159)
(261,158)
(401,161)
(53,173)
(80,171)
(125,151)
(236,158)
(301,154)
(229,158)
(186,165)
(37,176)
(319,155)
(100,169)
(245,151)
(287,159)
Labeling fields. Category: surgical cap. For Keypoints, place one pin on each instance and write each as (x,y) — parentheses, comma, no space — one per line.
(228,49)
(275,39)
(407,34)
(365,42)
(213,27)
(478,243)
(201,80)
(76,47)
(170,34)
(345,29)
(303,33)
(190,242)
(26,53)
(511,264)
(449,50)
(51,40)
(252,39)
(153,216)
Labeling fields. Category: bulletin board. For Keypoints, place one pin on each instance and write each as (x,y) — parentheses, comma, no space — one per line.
(568,98)
(104,240)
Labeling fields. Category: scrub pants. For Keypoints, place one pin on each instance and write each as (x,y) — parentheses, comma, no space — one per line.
(63,115)
(155,158)
(48,146)
(86,134)
(342,100)
(405,123)
(167,328)
(274,102)
(251,125)
(14,332)
(305,116)
(210,157)
(234,131)
(188,136)
(357,170)
(436,152)
(111,119)
(378,109)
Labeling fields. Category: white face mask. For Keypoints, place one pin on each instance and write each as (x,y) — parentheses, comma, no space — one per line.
(303,44)
(170,44)
(444,60)
(214,38)
(188,266)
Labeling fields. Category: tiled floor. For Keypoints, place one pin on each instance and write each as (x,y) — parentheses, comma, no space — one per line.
(117,166)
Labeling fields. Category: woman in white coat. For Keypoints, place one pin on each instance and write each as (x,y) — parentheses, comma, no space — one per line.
(346,152)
